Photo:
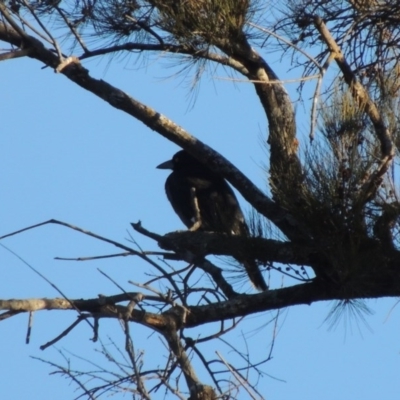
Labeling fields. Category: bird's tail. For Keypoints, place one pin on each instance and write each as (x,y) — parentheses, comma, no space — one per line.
(255,275)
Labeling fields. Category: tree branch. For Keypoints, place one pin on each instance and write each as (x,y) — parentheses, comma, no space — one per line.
(264,250)
(241,305)
(361,97)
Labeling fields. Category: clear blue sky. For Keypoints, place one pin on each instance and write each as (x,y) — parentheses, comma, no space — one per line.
(68,155)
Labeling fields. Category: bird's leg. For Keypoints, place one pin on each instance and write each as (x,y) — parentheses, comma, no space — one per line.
(197,217)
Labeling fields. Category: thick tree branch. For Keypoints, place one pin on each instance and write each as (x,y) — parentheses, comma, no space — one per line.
(174,343)
(264,250)
(286,175)
(103,307)
(306,294)
(241,305)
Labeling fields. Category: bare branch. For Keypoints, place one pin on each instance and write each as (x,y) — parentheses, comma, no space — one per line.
(65,332)
(239,306)
(243,383)
(131,352)
(15,54)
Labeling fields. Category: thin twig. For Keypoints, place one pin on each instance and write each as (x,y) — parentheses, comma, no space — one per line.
(146,28)
(29,330)
(9,314)
(131,353)
(73,30)
(275,82)
(55,287)
(317,96)
(238,377)
(91,258)
(288,42)
(39,21)
(81,318)
(15,54)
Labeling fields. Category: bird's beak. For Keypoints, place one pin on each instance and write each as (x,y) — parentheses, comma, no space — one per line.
(166,165)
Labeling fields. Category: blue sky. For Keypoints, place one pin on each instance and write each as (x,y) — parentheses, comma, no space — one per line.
(66,154)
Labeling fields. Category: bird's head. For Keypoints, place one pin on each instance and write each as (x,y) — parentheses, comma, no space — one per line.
(181,160)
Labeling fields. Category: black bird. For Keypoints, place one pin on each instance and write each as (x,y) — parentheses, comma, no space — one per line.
(204,201)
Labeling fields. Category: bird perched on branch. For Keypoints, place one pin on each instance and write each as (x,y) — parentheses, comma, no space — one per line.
(204,201)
